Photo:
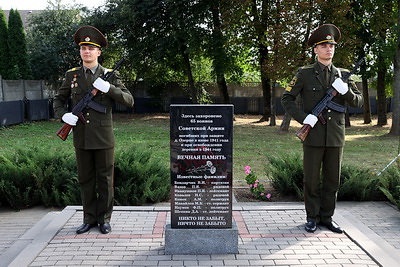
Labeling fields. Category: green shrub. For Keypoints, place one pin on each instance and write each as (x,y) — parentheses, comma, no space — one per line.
(286,174)
(139,178)
(34,176)
(17,181)
(356,184)
(390,185)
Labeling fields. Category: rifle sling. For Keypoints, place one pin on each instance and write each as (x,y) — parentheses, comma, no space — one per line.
(336,107)
(97,107)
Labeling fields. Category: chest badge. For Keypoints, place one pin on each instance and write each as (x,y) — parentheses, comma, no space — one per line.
(73,82)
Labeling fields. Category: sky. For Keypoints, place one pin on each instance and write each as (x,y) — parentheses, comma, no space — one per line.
(42,4)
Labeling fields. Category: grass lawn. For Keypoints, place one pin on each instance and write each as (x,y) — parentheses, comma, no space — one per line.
(367,146)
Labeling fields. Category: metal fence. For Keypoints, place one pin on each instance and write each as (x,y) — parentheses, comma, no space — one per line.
(27,101)
(14,90)
(23,100)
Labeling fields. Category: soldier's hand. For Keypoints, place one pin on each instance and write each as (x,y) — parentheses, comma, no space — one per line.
(310,120)
(101,85)
(70,118)
(340,86)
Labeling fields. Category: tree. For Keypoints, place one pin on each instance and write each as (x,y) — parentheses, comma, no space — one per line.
(166,40)
(382,22)
(306,9)
(220,42)
(395,129)
(285,53)
(217,50)
(20,68)
(206,31)
(51,47)
(4,52)
(259,17)
(162,39)
(279,31)
(363,33)
(247,22)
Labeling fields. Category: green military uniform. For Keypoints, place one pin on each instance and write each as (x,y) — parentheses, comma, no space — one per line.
(324,143)
(93,137)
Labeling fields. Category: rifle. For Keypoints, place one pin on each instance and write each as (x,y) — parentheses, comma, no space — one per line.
(327,103)
(86,101)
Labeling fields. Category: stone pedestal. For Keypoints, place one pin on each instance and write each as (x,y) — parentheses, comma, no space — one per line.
(201,241)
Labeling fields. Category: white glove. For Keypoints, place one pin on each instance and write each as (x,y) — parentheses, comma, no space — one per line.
(70,118)
(101,85)
(310,120)
(340,86)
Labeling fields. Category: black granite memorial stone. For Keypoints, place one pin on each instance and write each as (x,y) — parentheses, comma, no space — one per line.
(201,166)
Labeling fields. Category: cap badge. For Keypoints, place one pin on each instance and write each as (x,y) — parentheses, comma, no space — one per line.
(87,39)
(328,37)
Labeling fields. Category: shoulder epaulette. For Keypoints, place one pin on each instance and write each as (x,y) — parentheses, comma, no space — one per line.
(306,67)
(74,69)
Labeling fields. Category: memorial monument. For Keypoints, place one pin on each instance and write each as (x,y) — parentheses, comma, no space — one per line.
(201,181)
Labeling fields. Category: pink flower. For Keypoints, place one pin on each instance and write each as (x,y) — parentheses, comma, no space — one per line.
(268,196)
(250,185)
(257,181)
(247,169)
(255,185)
(262,194)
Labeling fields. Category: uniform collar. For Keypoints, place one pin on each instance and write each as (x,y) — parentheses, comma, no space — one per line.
(93,69)
(322,66)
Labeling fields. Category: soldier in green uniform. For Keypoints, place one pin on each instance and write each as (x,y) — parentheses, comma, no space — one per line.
(323,146)
(93,135)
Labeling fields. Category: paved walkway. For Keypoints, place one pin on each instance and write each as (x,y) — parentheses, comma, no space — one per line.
(270,234)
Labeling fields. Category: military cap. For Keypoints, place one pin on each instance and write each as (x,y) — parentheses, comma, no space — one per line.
(327,33)
(89,35)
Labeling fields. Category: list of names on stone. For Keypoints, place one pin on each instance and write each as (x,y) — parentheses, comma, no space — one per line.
(201,166)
